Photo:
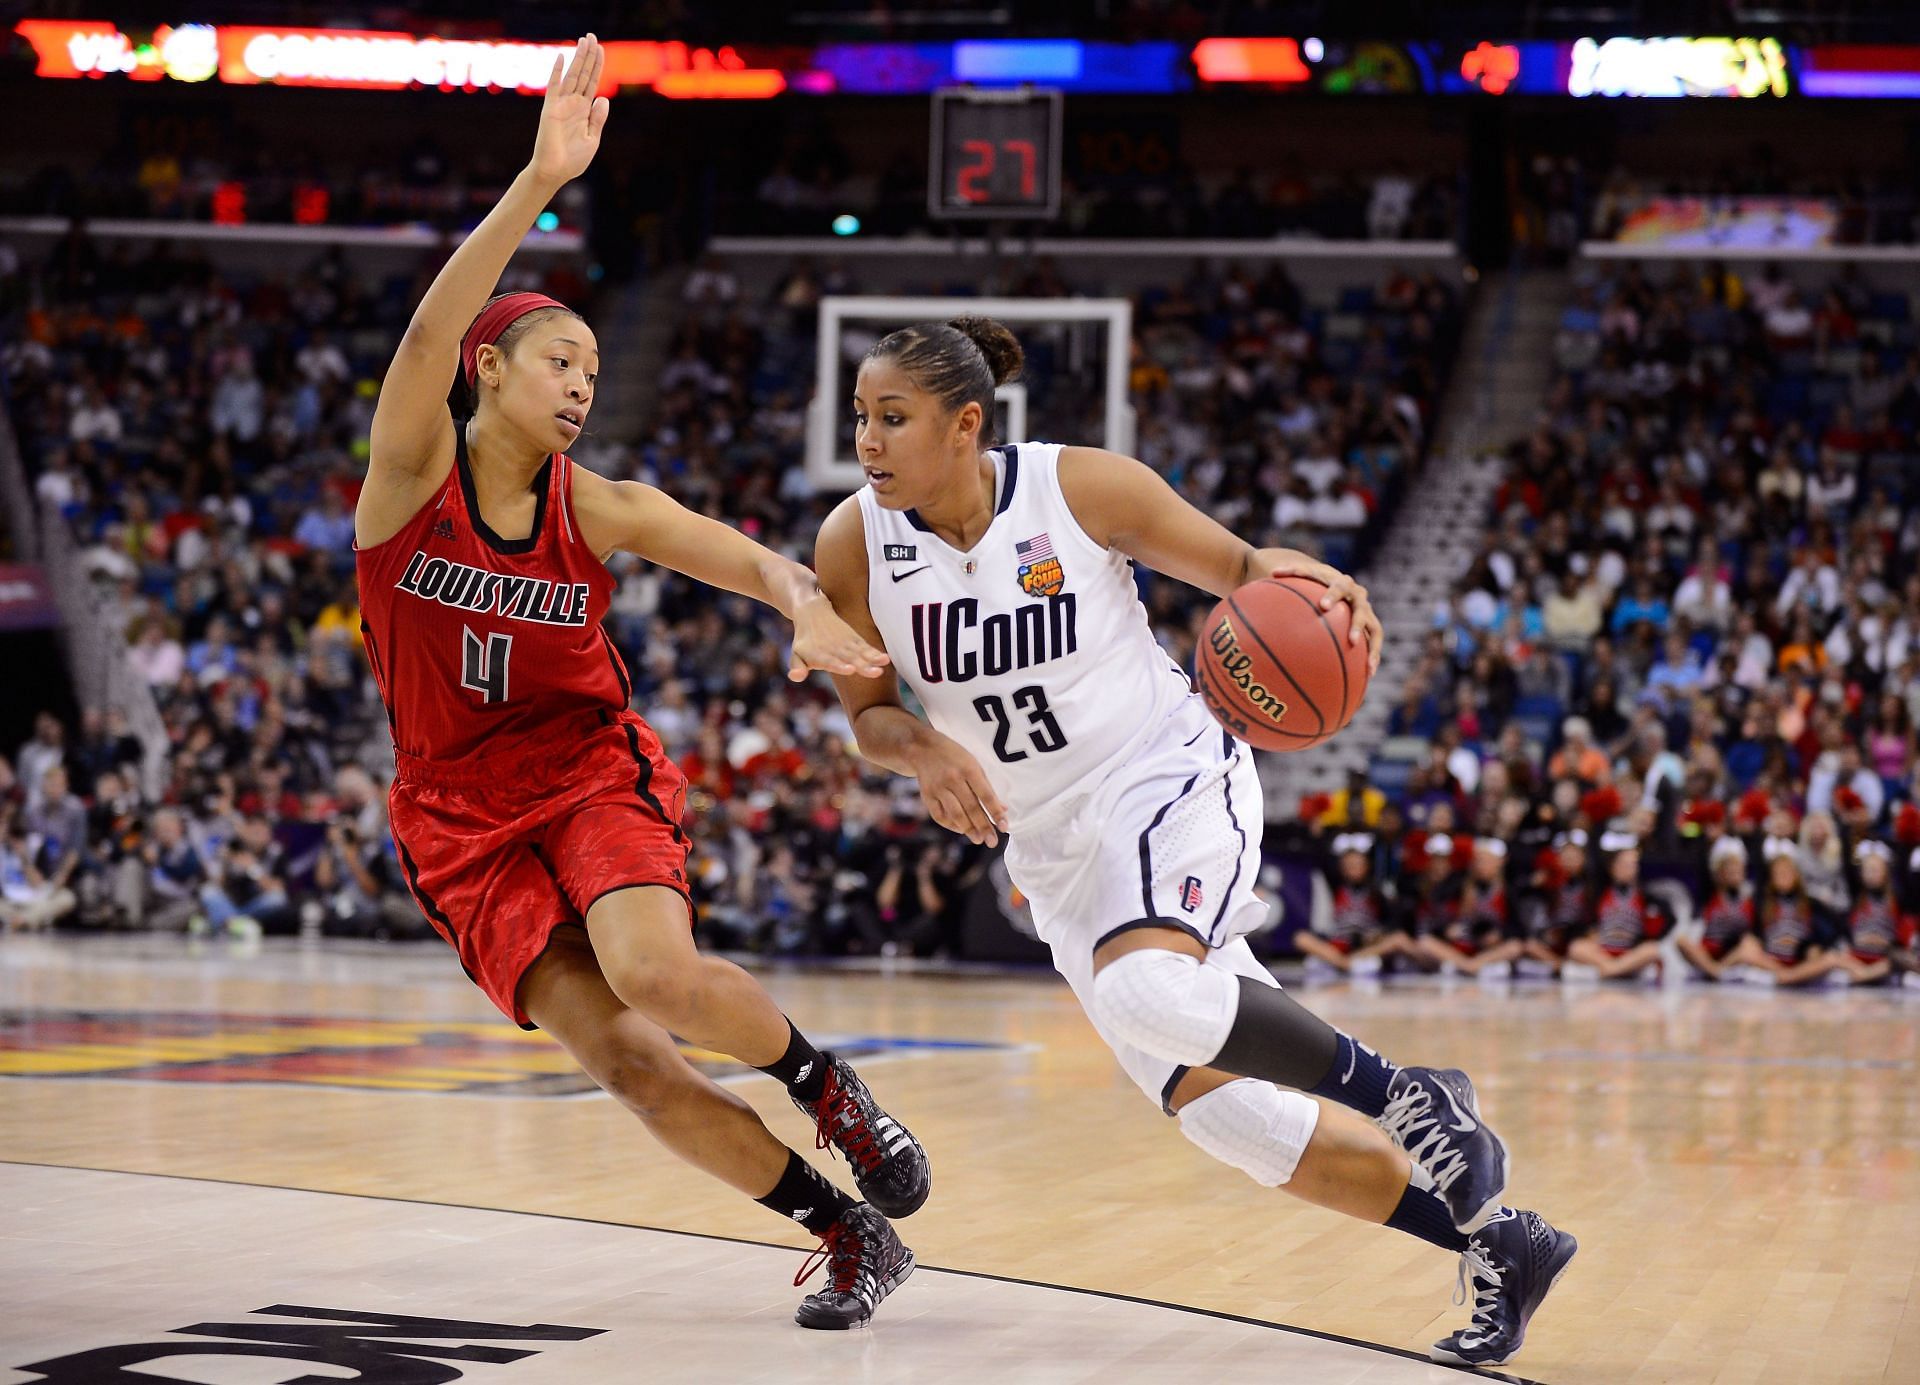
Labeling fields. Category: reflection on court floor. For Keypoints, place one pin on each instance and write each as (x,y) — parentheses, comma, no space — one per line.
(225,1284)
(429,1056)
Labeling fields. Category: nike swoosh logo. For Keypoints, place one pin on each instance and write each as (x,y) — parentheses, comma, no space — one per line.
(902,576)
(1463,1122)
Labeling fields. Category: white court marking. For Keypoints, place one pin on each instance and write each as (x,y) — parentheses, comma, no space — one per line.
(93,1260)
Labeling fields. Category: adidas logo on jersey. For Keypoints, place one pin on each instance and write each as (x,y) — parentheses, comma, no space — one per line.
(443,529)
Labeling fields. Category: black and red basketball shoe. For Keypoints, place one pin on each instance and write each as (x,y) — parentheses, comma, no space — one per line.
(888,1164)
(865,1262)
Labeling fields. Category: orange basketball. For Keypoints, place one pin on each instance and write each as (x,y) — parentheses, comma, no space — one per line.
(1275,669)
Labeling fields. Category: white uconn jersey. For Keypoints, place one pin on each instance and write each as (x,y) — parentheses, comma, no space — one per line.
(1032,649)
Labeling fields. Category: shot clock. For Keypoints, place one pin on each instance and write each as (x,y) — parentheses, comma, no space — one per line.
(995,154)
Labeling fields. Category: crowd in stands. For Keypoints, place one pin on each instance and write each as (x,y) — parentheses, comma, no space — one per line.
(205,169)
(203,436)
(1559,200)
(806,186)
(1679,682)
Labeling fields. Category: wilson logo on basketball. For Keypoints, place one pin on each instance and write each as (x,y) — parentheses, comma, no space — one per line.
(1234,666)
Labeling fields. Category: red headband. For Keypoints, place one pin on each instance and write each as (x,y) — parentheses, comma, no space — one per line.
(494,319)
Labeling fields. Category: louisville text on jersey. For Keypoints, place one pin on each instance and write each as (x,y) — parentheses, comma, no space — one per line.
(953,645)
(464,588)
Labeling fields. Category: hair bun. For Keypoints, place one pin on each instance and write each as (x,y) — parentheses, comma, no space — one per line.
(1002,350)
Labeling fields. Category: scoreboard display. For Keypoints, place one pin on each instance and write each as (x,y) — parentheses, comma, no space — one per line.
(996,154)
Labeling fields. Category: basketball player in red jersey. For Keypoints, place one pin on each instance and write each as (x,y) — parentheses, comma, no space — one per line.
(536,816)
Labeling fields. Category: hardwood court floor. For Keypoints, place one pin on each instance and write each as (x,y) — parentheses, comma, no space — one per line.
(1743,1170)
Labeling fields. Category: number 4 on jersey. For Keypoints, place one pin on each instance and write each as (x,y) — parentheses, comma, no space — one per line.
(484,666)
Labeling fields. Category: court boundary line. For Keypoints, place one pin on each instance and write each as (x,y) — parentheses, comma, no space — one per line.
(1481,1373)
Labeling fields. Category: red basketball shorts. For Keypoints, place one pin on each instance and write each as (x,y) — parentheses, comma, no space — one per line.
(499,853)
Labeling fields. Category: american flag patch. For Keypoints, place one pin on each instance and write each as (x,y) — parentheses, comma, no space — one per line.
(1034,549)
(1190,894)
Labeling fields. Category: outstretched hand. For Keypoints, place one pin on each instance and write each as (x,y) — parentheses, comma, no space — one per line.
(571,116)
(822,640)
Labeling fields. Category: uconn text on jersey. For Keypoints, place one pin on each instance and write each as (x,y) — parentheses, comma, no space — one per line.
(953,645)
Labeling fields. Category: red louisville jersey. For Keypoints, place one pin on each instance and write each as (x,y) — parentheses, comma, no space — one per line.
(482,642)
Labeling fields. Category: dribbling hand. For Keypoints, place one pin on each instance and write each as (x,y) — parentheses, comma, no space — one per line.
(571,116)
(956,792)
(1340,587)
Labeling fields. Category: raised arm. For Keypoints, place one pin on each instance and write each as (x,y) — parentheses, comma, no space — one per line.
(1126,505)
(412,431)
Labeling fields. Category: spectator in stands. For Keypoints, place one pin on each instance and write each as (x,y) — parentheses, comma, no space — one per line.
(246,894)
(1578,757)
(28,899)
(47,748)
(57,821)
(1822,861)
(165,894)
(327,527)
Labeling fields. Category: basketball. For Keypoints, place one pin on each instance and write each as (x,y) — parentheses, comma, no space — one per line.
(1276,670)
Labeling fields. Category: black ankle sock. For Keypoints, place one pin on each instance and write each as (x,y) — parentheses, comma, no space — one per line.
(1421,1213)
(801,1068)
(1358,1078)
(803,1195)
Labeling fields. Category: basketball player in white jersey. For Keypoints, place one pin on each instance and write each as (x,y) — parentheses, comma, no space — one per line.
(1000,582)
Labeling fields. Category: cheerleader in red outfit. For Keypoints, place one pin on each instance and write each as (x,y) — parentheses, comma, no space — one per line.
(1360,930)
(1627,924)
(1782,950)
(1565,903)
(1474,936)
(1879,936)
(1727,917)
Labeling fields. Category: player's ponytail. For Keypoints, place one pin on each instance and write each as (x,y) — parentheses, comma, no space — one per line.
(957,362)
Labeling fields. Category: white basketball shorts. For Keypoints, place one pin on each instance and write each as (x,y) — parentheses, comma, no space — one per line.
(1170,839)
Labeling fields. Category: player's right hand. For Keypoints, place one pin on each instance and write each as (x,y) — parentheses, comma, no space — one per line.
(571,116)
(956,791)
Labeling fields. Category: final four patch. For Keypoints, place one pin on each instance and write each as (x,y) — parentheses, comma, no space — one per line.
(1040,572)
